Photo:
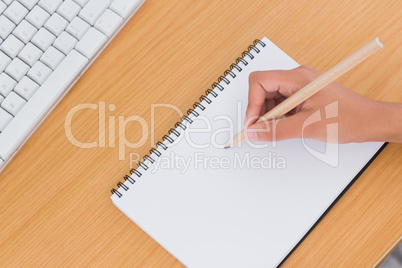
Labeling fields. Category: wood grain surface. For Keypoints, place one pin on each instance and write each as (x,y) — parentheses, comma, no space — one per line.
(55,207)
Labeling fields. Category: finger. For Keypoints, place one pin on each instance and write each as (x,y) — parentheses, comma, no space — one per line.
(276,130)
(274,84)
(271,103)
(256,98)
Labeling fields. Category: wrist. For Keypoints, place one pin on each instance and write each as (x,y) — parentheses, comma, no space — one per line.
(385,122)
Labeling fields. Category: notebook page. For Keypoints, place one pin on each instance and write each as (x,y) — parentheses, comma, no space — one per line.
(239,207)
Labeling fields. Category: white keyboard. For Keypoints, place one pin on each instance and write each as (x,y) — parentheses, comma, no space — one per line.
(45,46)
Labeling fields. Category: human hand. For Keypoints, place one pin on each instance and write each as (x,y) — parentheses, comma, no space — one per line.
(359,119)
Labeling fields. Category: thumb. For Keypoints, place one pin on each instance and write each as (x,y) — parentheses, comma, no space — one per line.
(282,128)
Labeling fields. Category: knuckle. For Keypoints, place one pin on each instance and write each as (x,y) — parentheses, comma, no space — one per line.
(253,77)
(309,72)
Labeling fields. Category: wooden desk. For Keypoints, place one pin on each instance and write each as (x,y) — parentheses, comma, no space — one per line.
(55,207)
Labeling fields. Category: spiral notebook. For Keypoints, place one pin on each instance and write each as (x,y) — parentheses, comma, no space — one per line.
(239,207)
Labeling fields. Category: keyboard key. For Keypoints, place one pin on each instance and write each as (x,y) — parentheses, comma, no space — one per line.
(11,46)
(5,118)
(39,72)
(50,5)
(7,2)
(25,31)
(16,12)
(56,24)
(6,27)
(26,88)
(30,54)
(65,43)
(7,84)
(29,4)
(17,69)
(37,17)
(2,7)
(90,44)
(82,3)
(124,7)
(13,103)
(93,10)
(1,98)
(43,39)
(108,22)
(4,61)
(77,28)
(69,10)
(40,103)
(52,57)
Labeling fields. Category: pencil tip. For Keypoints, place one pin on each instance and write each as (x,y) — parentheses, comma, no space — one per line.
(226,147)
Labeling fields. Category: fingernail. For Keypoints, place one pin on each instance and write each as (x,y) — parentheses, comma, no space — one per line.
(246,121)
(252,135)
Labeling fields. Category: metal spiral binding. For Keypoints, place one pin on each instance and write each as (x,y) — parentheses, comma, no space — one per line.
(247,54)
